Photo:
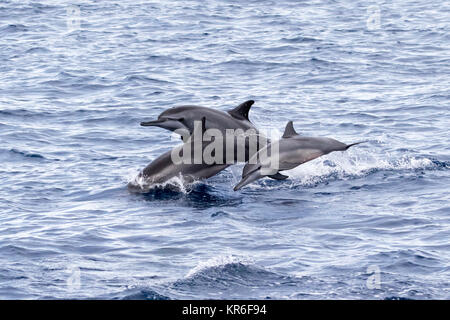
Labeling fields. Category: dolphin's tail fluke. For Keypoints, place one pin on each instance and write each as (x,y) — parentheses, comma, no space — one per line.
(353,144)
(255,175)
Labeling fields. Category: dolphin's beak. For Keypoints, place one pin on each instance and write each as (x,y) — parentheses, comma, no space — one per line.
(239,185)
(153,123)
(171,124)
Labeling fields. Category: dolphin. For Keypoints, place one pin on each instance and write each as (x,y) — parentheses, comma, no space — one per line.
(293,150)
(164,168)
(183,118)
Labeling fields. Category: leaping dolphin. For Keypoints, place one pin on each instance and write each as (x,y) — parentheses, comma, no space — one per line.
(293,150)
(163,168)
(184,117)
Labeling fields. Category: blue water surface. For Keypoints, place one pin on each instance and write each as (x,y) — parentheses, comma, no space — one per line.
(77,77)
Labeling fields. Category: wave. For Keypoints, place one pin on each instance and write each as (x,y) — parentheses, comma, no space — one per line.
(139,184)
(198,194)
(231,277)
(37,50)
(141,294)
(357,164)
(216,262)
(335,166)
(11,28)
(299,39)
(234,277)
(144,79)
(27,154)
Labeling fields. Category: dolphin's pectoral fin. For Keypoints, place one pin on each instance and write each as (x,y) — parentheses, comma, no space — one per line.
(241,111)
(255,175)
(278,176)
(289,131)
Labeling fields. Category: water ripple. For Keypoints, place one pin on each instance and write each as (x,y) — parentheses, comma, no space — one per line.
(76,81)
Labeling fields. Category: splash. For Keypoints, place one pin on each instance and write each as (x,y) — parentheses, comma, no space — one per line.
(138,183)
(219,261)
(354,164)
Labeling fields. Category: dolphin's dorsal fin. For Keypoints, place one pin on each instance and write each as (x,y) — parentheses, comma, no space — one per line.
(289,131)
(241,111)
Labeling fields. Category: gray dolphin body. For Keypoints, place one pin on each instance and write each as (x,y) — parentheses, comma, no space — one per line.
(184,117)
(293,151)
(162,169)
(165,167)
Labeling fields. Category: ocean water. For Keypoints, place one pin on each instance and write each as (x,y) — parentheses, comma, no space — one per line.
(77,77)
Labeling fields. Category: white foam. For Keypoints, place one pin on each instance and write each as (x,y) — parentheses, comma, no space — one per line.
(342,165)
(353,164)
(140,182)
(217,262)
